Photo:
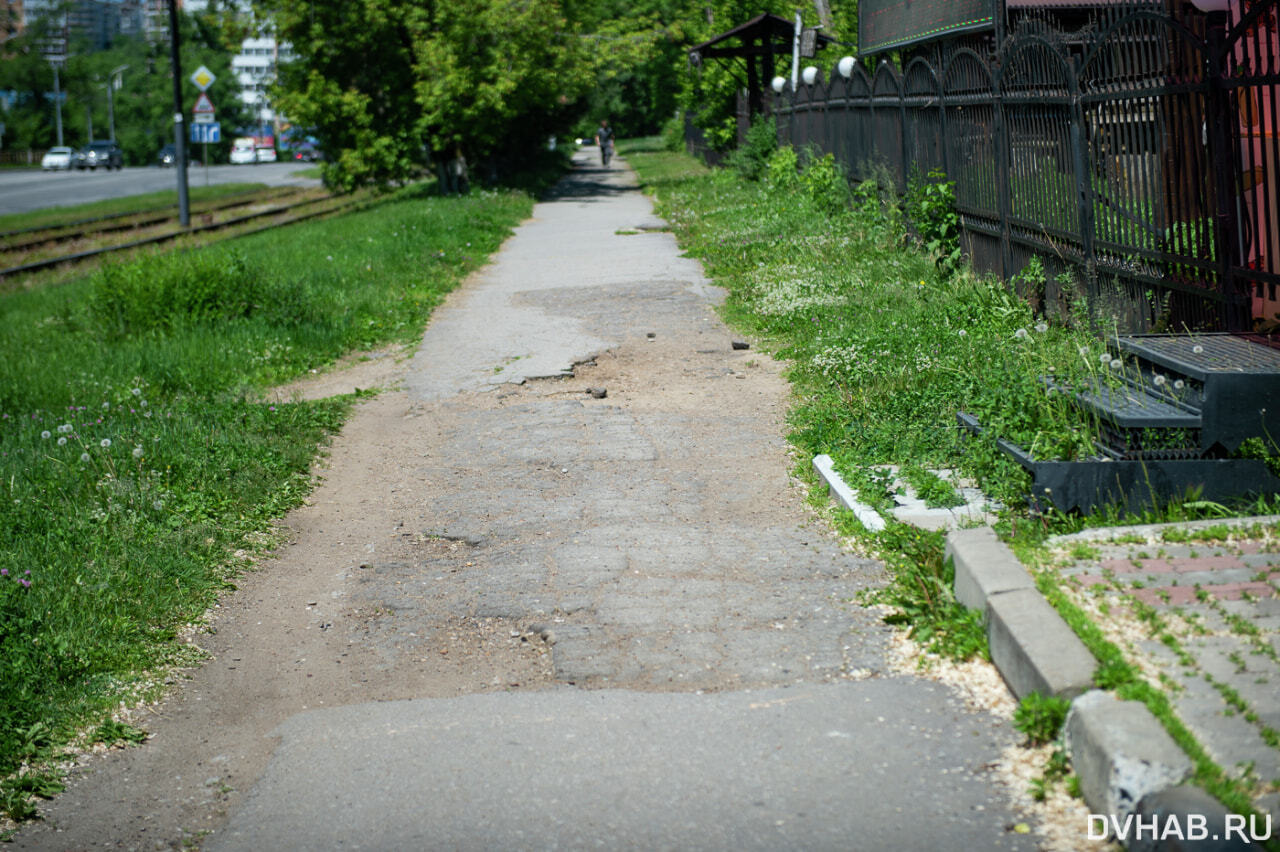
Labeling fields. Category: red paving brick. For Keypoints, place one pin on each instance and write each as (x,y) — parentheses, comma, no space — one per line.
(1155,566)
(1088,581)
(1182,595)
(1120,566)
(1206,563)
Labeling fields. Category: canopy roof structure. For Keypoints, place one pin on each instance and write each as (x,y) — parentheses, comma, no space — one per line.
(758,42)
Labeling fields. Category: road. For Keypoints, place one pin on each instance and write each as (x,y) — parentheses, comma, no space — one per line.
(23,190)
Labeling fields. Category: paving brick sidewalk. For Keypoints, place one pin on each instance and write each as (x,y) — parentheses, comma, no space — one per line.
(1197,607)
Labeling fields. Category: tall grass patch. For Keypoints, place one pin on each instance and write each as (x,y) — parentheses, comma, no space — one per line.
(134,459)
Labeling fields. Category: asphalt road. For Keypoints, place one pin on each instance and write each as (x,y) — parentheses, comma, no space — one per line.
(24,190)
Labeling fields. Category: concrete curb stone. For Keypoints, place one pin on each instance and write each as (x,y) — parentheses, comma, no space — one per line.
(984,566)
(1035,650)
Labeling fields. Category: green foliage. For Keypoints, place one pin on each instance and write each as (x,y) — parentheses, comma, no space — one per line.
(921,596)
(1055,770)
(111,732)
(1040,717)
(673,134)
(169,291)
(930,204)
(825,183)
(936,492)
(134,460)
(751,160)
(782,169)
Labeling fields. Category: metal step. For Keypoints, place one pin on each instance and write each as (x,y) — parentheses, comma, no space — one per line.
(1130,407)
(1203,356)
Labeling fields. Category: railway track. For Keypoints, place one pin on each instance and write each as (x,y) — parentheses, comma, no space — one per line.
(269,217)
(84,228)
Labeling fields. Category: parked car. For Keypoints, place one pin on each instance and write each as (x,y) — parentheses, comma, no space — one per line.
(265,154)
(305,152)
(105,154)
(60,158)
(168,156)
(242,151)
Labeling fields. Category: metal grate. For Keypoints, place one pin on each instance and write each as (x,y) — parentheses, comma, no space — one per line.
(1202,355)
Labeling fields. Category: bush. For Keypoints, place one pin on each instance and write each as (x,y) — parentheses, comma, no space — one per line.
(931,205)
(1041,717)
(673,134)
(164,292)
(782,169)
(751,160)
(825,183)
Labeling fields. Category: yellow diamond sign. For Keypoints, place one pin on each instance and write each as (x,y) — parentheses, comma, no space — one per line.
(203,78)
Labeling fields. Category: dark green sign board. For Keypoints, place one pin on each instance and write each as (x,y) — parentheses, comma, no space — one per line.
(892,24)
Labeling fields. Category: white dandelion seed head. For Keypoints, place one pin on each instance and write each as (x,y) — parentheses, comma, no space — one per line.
(1198,349)
(65,427)
(964,333)
(158,505)
(1104,359)
(1042,327)
(104,443)
(62,442)
(1116,363)
(106,405)
(137,452)
(84,457)
(1159,381)
(1179,384)
(1020,334)
(46,434)
(1084,351)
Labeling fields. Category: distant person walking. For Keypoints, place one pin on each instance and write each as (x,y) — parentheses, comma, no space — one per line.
(604,139)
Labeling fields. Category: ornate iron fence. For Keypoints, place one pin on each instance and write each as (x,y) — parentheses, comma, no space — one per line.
(1141,157)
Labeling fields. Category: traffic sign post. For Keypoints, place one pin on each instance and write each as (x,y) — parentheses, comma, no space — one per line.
(202,78)
(205,132)
(203,127)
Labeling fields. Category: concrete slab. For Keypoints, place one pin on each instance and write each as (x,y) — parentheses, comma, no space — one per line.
(1034,648)
(1120,753)
(984,566)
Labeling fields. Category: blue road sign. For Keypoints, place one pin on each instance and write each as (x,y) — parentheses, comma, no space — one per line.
(210,132)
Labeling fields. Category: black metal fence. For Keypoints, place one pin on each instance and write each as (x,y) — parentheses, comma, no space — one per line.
(1141,157)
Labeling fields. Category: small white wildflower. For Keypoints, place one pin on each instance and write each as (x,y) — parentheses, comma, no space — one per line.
(1159,381)
(136,391)
(106,405)
(46,434)
(1179,384)
(964,333)
(104,443)
(84,457)
(62,442)
(1116,363)
(1042,327)
(1020,334)
(137,452)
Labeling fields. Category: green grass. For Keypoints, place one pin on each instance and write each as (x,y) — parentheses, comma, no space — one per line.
(133,458)
(55,216)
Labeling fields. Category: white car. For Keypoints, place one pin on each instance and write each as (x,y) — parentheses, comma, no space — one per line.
(242,153)
(265,154)
(59,158)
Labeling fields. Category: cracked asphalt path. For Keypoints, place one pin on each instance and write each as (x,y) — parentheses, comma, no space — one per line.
(520,614)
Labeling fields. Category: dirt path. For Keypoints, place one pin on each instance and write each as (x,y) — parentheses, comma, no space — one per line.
(492,527)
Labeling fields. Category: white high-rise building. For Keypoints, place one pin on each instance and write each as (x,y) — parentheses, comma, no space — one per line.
(255,67)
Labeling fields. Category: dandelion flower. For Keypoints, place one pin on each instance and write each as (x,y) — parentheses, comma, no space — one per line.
(62,442)
(1116,363)
(136,391)
(1198,349)
(158,505)
(964,333)
(1084,351)
(84,457)
(106,405)
(46,434)
(65,427)
(1179,384)
(1042,327)
(104,443)
(1104,359)
(1021,334)
(137,452)
(1159,381)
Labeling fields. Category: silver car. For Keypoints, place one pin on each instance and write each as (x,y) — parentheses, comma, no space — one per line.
(60,158)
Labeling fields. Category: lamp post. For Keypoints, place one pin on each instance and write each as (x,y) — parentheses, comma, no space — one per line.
(57,103)
(114,81)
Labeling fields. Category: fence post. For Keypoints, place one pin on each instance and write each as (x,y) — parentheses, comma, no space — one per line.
(902,134)
(1221,119)
(1084,187)
(1003,185)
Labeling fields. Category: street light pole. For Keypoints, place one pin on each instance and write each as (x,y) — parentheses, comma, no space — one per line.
(179,136)
(57,103)
(113,82)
